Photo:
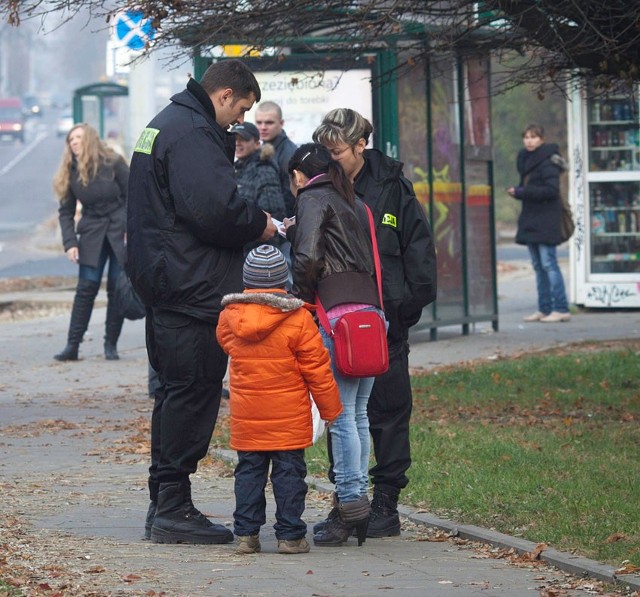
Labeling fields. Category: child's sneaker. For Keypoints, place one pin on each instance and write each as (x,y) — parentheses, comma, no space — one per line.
(293,546)
(248,544)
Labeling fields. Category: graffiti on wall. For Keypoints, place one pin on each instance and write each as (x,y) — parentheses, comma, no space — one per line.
(580,234)
(609,295)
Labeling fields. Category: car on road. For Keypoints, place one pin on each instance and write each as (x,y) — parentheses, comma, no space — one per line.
(32,106)
(64,123)
(11,119)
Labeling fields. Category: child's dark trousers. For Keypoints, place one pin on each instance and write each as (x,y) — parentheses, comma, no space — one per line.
(288,471)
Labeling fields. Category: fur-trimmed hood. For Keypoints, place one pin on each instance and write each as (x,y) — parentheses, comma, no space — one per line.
(273,298)
(267,151)
(255,313)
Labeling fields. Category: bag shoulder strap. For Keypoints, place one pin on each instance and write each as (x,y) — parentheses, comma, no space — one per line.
(322,314)
(376,256)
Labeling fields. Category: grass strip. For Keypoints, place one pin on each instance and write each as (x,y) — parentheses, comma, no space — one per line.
(545,447)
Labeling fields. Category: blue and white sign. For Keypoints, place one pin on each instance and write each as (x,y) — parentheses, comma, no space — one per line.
(134,30)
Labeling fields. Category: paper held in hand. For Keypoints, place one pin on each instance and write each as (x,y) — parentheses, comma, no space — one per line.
(280,226)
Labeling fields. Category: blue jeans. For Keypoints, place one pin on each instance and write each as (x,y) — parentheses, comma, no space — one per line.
(288,470)
(549,280)
(350,440)
(94,274)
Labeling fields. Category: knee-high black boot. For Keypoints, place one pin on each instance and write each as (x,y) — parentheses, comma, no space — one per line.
(112,328)
(80,315)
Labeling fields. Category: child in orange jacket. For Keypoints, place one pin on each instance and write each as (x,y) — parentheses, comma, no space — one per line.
(277,359)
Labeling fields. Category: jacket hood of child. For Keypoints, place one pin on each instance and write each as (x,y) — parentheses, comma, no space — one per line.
(255,313)
(277,359)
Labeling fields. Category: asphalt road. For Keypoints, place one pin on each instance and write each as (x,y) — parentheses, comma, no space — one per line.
(29,240)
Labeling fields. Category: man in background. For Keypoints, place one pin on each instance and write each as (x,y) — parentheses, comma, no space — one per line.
(270,122)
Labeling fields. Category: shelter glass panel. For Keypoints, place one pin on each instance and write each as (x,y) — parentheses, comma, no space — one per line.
(447,188)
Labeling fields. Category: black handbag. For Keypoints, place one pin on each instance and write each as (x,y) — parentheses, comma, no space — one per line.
(128,304)
(567,225)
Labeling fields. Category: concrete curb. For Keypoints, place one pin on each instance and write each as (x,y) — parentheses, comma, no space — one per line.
(576,565)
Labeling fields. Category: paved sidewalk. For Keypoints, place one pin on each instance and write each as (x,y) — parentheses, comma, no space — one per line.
(73,477)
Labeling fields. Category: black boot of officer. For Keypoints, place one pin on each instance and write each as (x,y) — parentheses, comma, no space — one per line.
(177,520)
(384,520)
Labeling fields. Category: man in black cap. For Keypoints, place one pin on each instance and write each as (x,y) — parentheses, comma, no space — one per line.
(256,171)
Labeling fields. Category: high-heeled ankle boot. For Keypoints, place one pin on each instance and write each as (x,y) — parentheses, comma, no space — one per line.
(351,516)
(333,513)
(356,516)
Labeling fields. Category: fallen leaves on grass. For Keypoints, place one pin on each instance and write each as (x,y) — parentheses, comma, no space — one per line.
(616,537)
(547,412)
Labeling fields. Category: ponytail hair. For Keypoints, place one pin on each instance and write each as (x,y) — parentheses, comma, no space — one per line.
(313,159)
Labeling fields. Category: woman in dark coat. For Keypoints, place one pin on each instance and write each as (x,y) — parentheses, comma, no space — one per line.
(92,174)
(409,283)
(539,166)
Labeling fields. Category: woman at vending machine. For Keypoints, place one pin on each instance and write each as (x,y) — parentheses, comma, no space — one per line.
(539,224)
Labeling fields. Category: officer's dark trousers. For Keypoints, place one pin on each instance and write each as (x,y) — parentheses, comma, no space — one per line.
(190,365)
(389,411)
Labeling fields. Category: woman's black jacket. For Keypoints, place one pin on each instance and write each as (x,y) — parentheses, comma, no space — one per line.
(539,190)
(104,202)
(405,242)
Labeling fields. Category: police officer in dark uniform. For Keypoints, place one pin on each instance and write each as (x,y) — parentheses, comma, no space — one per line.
(186,228)
(407,255)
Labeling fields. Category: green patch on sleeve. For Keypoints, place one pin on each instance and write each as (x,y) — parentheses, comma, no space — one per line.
(390,220)
(145,142)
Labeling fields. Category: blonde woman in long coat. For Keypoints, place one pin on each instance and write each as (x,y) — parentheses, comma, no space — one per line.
(96,177)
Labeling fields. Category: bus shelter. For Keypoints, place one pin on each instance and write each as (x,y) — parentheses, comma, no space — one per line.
(436,119)
(97,105)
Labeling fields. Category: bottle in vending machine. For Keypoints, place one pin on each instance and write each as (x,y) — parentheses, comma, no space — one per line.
(633,221)
(597,198)
(616,110)
(630,138)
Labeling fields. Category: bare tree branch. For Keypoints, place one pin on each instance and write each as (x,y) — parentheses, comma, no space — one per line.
(599,41)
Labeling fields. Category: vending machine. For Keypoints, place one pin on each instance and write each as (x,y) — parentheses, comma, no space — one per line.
(604,192)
